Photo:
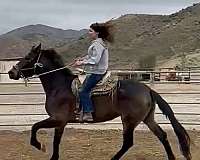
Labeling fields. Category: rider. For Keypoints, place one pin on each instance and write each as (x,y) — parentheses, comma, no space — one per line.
(95,64)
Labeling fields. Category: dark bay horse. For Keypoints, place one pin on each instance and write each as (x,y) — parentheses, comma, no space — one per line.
(133,101)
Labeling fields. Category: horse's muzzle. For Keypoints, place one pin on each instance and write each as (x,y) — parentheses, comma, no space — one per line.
(13,74)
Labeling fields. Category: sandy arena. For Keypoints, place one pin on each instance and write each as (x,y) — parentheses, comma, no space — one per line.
(78,144)
(101,141)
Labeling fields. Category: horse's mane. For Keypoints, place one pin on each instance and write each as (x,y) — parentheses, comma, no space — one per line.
(57,60)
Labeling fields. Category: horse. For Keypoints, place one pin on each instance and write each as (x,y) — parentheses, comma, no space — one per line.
(133,101)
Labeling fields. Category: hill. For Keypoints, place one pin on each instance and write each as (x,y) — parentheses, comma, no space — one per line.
(150,40)
(19,41)
(140,40)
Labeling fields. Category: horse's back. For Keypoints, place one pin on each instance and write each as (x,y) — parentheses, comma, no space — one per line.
(132,88)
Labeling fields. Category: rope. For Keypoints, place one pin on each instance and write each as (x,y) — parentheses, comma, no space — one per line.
(69,65)
(45,73)
(38,75)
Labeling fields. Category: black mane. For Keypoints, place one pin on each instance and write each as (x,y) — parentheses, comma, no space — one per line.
(57,60)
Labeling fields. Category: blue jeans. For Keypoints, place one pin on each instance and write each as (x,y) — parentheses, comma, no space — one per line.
(85,99)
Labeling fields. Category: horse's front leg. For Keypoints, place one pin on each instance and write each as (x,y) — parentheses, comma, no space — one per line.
(57,138)
(47,123)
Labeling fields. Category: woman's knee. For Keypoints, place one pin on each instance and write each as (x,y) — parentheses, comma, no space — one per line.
(83,93)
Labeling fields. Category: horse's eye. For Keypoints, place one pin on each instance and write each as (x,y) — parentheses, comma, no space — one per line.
(27,59)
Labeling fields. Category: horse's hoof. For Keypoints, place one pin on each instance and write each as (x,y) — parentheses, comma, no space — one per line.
(43,148)
(54,157)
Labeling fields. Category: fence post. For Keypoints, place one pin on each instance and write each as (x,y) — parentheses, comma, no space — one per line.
(151,78)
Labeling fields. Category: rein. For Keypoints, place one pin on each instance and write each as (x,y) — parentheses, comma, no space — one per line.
(51,71)
(26,79)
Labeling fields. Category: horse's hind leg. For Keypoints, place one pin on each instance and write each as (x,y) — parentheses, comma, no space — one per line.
(56,142)
(162,136)
(128,129)
(47,123)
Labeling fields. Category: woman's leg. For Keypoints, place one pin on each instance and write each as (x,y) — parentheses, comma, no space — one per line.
(88,84)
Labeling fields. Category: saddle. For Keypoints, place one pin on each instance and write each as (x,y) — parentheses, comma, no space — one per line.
(106,86)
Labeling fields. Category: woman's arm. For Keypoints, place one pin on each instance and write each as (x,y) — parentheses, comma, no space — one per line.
(94,58)
(79,61)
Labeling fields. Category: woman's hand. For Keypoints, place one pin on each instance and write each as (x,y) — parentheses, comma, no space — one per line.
(78,63)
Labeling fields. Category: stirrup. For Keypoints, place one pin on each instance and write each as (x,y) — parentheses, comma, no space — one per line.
(77,111)
(79,115)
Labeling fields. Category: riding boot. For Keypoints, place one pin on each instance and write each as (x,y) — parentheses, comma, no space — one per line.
(87,117)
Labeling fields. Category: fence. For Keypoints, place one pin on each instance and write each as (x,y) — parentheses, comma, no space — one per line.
(188,112)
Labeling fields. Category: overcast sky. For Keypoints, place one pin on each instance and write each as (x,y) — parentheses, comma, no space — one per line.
(78,14)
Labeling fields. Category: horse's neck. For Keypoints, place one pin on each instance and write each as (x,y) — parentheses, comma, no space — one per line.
(56,80)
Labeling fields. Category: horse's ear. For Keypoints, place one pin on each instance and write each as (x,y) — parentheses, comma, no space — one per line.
(32,48)
(37,49)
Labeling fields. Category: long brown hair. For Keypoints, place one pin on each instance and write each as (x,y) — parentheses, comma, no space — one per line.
(104,30)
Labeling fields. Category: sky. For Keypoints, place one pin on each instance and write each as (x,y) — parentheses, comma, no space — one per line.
(79,14)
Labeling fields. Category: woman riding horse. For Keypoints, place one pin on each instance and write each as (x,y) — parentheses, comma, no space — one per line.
(134,102)
(96,65)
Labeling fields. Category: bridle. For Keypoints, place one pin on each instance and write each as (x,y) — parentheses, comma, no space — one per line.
(37,64)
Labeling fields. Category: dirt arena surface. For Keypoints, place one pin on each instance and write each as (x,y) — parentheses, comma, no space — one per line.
(83,144)
(79,144)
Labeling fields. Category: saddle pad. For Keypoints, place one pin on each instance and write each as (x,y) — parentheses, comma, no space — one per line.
(104,87)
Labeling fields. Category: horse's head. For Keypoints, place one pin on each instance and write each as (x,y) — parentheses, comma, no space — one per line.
(38,62)
(27,66)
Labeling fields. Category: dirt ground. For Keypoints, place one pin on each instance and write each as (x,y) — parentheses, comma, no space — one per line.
(83,144)
(79,144)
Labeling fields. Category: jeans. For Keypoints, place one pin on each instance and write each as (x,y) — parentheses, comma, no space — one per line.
(85,97)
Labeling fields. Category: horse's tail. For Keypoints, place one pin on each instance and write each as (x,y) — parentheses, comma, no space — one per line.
(183,137)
